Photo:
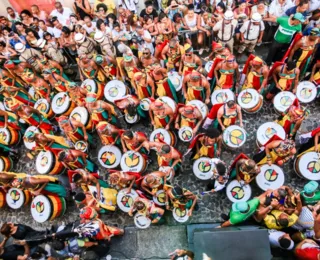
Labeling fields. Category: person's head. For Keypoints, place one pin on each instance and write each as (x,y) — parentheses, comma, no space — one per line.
(163,18)
(188,50)
(6,229)
(73,18)
(132,19)
(58,245)
(65,31)
(79,38)
(4,21)
(314,33)
(2,45)
(177,191)
(42,25)
(250,165)
(261,4)
(228,17)
(89,255)
(87,20)
(150,179)
(55,22)
(58,7)
(32,33)
(195,76)
(257,62)
(139,30)
(190,12)
(61,156)
(139,205)
(100,25)
(101,8)
(173,43)
(297,18)
(221,8)
(230,59)
(116,27)
(35,9)
(149,7)
(35,22)
(231,104)
(25,14)
(256,18)
(286,242)
(212,133)
(111,18)
(187,255)
(47,36)
(242,4)
(290,65)
(310,187)
(221,168)
(128,135)
(76,178)
(303,6)
(114,178)
(283,220)
(10,11)
(6,30)
(177,18)
(165,149)
(241,207)
(20,26)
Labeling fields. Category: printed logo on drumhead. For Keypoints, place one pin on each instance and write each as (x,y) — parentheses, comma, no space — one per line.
(237,192)
(270,175)
(236,137)
(80,146)
(132,160)
(15,195)
(3,136)
(306,93)
(44,161)
(180,212)
(161,197)
(221,97)
(204,167)
(246,98)
(60,100)
(42,107)
(186,134)
(108,158)
(159,137)
(127,201)
(88,87)
(76,116)
(144,105)
(175,82)
(286,101)
(39,206)
(270,132)
(313,167)
(113,92)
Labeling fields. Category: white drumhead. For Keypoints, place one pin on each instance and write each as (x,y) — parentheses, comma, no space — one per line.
(234,136)
(237,192)
(80,114)
(283,100)
(270,177)
(42,105)
(103,200)
(5,135)
(125,201)
(114,89)
(168,170)
(41,208)
(44,162)
(89,85)
(15,198)
(30,145)
(7,104)
(180,215)
(248,98)
(161,134)
(132,162)
(222,96)
(131,119)
(81,146)
(109,156)
(306,92)
(185,134)
(169,101)
(203,108)
(176,80)
(141,221)
(160,198)
(32,93)
(1,165)
(202,168)
(309,166)
(145,104)
(2,107)
(208,66)
(267,130)
(60,103)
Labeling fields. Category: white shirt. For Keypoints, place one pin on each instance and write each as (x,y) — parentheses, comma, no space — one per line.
(90,29)
(314,5)
(15,19)
(228,34)
(227,3)
(274,236)
(56,32)
(254,30)
(64,16)
(279,10)
(149,45)
(129,4)
(49,30)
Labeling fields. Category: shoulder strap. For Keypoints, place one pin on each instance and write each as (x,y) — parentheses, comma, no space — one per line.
(222,29)
(248,29)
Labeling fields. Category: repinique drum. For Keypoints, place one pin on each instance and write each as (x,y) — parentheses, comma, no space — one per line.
(185,134)
(237,191)
(17,198)
(91,86)
(3,201)
(250,100)
(180,215)
(203,168)
(163,135)
(82,115)
(133,162)
(160,198)
(267,130)
(115,89)
(47,163)
(145,104)
(44,107)
(306,92)
(234,137)
(270,177)
(125,200)
(308,166)
(30,145)
(109,156)
(222,96)
(203,108)
(5,164)
(47,207)
(131,119)
(282,101)
(61,104)
(208,66)
(175,79)
(9,136)
(141,221)
(168,170)
(81,146)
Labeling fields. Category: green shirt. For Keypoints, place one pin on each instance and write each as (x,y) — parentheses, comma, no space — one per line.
(285,31)
(310,200)
(238,217)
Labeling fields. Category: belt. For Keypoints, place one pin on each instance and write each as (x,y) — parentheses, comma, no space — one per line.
(250,40)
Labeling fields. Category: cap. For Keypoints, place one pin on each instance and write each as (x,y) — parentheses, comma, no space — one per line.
(188,109)
(99,59)
(187,47)
(216,46)
(19,47)
(41,43)
(79,38)
(99,36)
(256,17)
(240,206)
(310,187)
(127,58)
(228,15)
(315,31)
(91,97)
(257,61)
(300,17)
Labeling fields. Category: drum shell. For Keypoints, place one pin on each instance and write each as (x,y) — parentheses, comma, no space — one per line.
(58,206)
(225,142)
(56,166)
(68,111)
(82,150)
(124,168)
(296,167)
(306,166)
(14,136)
(256,108)
(7,164)
(3,201)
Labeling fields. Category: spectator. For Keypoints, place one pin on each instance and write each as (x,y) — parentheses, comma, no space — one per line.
(144,39)
(6,52)
(111,19)
(82,8)
(314,5)
(85,45)
(260,8)
(67,41)
(4,22)
(105,42)
(28,55)
(279,239)
(62,13)
(41,15)
(32,37)
(102,27)
(89,26)
(26,17)
(21,29)
(52,52)
(302,8)
(12,15)
(109,4)
(49,38)
(174,8)
(57,27)
(129,5)
(277,8)
(148,11)
(44,28)
(100,12)
(229,4)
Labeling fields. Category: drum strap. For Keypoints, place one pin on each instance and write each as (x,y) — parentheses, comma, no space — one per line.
(248,30)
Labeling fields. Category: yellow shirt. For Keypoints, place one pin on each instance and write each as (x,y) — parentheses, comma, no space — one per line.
(271,223)
(109,3)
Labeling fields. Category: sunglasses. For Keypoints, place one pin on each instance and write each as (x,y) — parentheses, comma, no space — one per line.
(188,54)
(146,53)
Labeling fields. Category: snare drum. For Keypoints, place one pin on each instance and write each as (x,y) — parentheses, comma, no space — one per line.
(5,164)
(180,215)
(203,168)
(169,101)
(270,177)
(131,119)
(141,221)
(81,114)
(133,162)
(125,200)
(3,201)
(168,170)
(62,105)
(160,198)
(145,104)
(17,198)
(306,92)
(203,108)
(9,136)
(47,163)
(176,80)
(115,89)
(81,146)
(222,96)
(234,137)
(185,134)
(237,192)
(282,101)
(250,100)
(308,166)
(162,135)
(30,145)
(267,130)
(109,156)
(208,66)
(44,107)
(91,86)
(47,207)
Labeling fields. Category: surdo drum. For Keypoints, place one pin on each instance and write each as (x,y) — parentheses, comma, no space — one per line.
(270,177)
(222,96)
(308,166)
(62,105)
(250,100)
(141,221)
(17,198)
(131,119)
(30,145)
(91,86)
(47,163)
(180,214)
(234,137)
(163,135)
(133,162)
(169,101)
(5,164)
(145,104)
(185,134)
(208,66)
(9,136)
(115,89)
(125,200)
(268,130)
(237,191)
(109,156)
(44,107)
(82,115)
(306,92)
(176,80)
(203,108)
(203,168)
(282,101)
(168,170)
(81,146)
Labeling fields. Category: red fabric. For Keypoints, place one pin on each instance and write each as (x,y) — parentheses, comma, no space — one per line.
(246,66)
(215,63)
(10,125)
(315,131)
(273,138)
(307,253)
(160,48)
(214,111)
(274,66)
(194,141)
(297,37)
(240,156)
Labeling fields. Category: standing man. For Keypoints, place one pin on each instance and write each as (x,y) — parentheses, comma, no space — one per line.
(62,13)
(130,5)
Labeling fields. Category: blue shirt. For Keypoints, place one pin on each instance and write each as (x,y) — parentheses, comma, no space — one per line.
(293,10)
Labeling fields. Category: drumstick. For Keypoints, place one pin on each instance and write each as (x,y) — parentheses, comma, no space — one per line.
(206,192)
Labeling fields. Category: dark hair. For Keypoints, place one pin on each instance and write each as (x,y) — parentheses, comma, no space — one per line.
(131,109)
(190,7)
(116,24)
(212,132)
(58,245)
(130,19)
(7,29)
(283,222)
(27,12)
(139,205)
(112,16)
(318,211)
(36,19)
(231,103)
(105,8)
(303,2)
(87,16)
(99,23)
(285,242)
(162,15)
(66,30)
(35,34)
(19,23)
(76,177)
(62,154)
(221,168)
(3,44)
(42,21)
(166,148)
(128,134)
(148,3)
(8,8)
(47,34)
(80,196)
(5,229)
(222,5)
(176,16)
(291,65)
(177,191)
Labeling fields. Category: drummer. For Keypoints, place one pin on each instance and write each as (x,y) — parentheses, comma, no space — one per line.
(87,200)
(228,114)
(309,142)
(315,74)
(196,86)
(218,51)
(109,134)
(161,114)
(6,178)
(148,209)
(147,60)
(56,81)
(189,61)
(153,182)
(171,54)
(129,66)
(190,116)
(143,85)
(133,141)
(130,104)
(177,197)
(76,94)
(219,178)
(121,180)
(108,64)
(245,170)
(48,64)
(8,119)
(257,75)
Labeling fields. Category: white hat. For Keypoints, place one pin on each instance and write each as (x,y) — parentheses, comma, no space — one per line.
(228,15)
(79,38)
(256,17)
(99,36)
(19,47)
(41,43)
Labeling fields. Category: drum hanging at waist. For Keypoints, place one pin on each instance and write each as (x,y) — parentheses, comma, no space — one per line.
(62,104)
(133,162)
(17,198)
(82,115)
(9,136)
(47,163)
(237,191)
(44,107)
(270,177)
(109,156)
(5,164)
(282,101)
(307,166)
(234,137)
(250,100)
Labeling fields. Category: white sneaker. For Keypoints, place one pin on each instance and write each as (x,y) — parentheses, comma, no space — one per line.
(108,257)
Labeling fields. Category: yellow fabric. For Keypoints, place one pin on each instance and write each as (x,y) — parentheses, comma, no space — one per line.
(249,81)
(283,120)
(303,56)
(190,93)
(316,76)
(160,90)
(274,157)
(270,220)
(157,122)
(203,152)
(110,196)
(109,3)
(58,139)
